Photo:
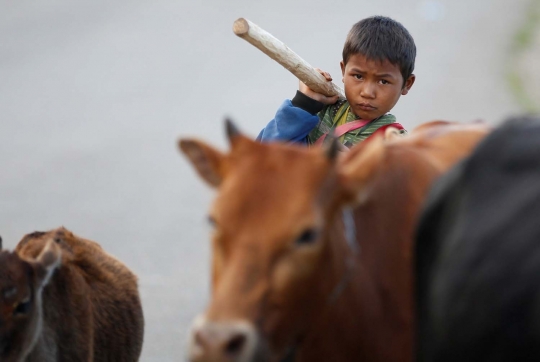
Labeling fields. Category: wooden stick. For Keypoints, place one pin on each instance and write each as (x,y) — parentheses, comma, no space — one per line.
(278,51)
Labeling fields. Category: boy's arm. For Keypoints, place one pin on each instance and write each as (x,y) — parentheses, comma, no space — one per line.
(296,118)
(293,120)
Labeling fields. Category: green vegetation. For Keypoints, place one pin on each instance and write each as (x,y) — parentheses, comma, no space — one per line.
(522,42)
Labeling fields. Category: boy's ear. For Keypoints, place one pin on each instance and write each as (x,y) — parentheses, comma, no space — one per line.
(408,84)
(207,160)
(342,65)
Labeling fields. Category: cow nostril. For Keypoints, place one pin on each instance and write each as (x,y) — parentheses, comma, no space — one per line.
(235,345)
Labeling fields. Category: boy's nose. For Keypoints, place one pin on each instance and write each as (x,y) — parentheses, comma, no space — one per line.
(367,91)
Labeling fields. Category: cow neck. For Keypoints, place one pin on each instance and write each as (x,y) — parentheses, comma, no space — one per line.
(349,230)
(380,276)
(350,242)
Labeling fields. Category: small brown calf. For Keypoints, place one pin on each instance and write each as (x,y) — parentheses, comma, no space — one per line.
(63,298)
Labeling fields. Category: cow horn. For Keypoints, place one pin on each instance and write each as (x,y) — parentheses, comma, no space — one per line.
(333,147)
(232,130)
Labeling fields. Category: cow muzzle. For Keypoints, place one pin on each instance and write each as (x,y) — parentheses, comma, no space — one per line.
(232,341)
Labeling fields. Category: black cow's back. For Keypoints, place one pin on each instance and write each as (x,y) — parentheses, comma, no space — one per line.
(478,253)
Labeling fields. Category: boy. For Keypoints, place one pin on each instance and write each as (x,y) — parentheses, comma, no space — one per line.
(377,66)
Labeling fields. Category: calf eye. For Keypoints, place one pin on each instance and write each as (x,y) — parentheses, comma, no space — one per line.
(309,236)
(23,307)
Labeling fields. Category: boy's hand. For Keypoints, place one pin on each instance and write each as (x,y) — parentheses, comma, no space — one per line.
(317,96)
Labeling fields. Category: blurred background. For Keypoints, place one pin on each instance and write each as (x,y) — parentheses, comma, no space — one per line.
(95,94)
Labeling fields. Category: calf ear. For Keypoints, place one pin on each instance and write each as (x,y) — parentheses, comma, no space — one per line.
(358,167)
(46,263)
(207,160)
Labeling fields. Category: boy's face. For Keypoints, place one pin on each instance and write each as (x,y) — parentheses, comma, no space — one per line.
(373,87)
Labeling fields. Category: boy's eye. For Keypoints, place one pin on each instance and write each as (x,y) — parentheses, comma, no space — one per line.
(357,76)
(384,81)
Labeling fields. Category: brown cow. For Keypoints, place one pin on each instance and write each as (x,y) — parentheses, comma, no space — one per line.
(295,275)
(63,298)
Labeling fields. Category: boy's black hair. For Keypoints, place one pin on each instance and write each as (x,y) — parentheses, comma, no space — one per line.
(381,38)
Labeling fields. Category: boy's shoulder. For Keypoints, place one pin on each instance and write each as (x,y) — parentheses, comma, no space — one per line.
(330,111)
(327,117)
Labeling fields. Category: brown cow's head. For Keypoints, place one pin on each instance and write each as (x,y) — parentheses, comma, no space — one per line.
(271,218)
(21,285)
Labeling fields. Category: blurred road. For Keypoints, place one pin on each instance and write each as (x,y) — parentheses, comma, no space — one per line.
(93,96)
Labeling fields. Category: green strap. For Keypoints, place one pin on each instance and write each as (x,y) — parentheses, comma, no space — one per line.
(331,114)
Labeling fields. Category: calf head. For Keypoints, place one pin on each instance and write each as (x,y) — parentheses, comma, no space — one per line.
(21,285)
(270,255)
(68,243)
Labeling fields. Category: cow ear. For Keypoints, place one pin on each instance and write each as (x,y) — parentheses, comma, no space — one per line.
(46,263)
(207,160)
(357,168)
(392,133)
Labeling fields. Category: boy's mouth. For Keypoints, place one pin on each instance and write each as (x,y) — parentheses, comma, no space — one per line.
(366,107)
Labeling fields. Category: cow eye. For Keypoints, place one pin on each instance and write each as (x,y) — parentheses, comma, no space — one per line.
(308,236)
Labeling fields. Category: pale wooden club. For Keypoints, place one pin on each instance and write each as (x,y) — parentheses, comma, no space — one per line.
(278,51)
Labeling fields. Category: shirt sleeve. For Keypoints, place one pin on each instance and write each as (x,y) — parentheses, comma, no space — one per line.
(289,124)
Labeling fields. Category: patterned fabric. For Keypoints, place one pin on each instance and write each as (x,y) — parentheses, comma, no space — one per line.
(339,113)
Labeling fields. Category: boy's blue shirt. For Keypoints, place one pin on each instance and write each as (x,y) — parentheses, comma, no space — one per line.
(303,119)
(290,123)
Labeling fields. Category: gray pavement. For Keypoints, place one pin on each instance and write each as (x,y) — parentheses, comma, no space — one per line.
(93,96)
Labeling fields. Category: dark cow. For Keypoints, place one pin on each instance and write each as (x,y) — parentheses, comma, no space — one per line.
(478,254)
